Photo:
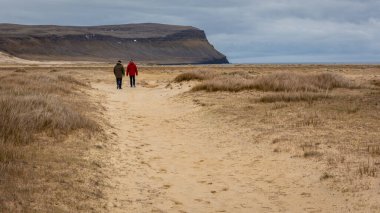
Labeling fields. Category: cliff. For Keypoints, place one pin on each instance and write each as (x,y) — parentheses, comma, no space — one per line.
(148,43)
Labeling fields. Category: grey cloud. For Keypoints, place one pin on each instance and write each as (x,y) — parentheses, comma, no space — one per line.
(245,30)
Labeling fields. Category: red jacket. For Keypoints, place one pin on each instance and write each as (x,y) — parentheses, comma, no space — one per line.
(132,69)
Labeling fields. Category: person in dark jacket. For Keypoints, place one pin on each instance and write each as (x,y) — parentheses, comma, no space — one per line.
(132,72)
(119,72)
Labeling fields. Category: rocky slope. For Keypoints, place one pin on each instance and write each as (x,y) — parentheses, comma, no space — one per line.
(149,43)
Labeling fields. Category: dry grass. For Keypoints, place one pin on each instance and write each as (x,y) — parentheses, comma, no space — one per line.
(376,82)
(367,169)
(322,106)
(36,110)
(32,107)
(189,76)
(374,149)
(21,70)
(312,153)
(326,176)
(309,119)
(294,97)
(23,117)
(69,79)
(289,82)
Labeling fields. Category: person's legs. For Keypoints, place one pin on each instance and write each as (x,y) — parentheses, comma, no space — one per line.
(121,82)
(118,82)
(130,80)
(134,80)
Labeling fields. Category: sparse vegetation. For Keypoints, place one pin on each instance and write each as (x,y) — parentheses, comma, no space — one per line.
(70,79)
(279,106)
(309,120)
(351,109)
(326,176)
(293,97)
(189,76)
(374,149)
(21,70)
(311,153)
(36,109)
(367,169)
(376,82)
(288,82)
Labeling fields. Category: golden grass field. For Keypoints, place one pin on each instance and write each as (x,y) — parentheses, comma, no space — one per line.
(221,138)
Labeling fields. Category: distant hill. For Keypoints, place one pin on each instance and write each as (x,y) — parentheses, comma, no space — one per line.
(148,43)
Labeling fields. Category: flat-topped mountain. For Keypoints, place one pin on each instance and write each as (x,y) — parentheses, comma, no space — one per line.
(149,43)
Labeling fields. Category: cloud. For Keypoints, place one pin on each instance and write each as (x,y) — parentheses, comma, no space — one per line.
(244,30)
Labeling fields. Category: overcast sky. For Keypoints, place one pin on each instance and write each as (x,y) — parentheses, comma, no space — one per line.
(246,31)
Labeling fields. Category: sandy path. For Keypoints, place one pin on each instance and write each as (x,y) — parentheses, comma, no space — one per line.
(169,156)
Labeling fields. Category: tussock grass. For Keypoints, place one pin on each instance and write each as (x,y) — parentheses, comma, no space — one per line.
(31,105)
(70,79)
(367,169)
(288,82)
(376,82)
(22,117)
(25,84)
(326,176)
(35,110)
(9,153)
(311,119)
(22,70)
(311,153)
(189,76)
(229,84)
(293,97)
(374,149)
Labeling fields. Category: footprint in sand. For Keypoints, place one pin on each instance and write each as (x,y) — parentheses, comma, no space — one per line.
(162,171)
(166,186)
(225,189)
(202,201)
(145,163)
(205,182)
(177,203)
(199,162)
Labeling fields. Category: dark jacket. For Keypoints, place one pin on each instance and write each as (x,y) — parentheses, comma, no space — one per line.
(119,70)
(132,69)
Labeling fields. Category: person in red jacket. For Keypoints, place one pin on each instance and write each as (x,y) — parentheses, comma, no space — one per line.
(132,72)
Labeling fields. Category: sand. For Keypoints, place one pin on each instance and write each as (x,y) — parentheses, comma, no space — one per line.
(168,155)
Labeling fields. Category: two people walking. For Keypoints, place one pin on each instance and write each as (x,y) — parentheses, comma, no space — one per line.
(119,72)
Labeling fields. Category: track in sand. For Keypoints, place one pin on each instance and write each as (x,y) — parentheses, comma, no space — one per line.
(171,156)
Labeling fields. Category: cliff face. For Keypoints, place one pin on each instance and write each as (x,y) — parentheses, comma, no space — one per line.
(149,43)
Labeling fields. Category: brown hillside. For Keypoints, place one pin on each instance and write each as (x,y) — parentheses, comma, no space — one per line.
(149,43)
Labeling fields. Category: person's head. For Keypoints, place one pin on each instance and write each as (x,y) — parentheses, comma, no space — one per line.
(131,60)
(119,62)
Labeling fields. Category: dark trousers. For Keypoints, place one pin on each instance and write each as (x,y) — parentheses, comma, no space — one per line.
(132,80)
(119,81)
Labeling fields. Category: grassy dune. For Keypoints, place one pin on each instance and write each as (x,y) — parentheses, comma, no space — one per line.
(39,113)
(330,118)
(32,105)
(270,82)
